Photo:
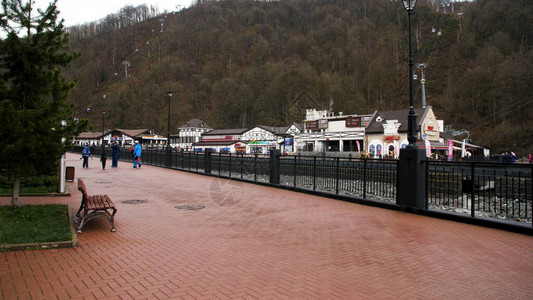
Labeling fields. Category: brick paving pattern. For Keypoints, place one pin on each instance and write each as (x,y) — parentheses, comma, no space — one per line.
(257,242)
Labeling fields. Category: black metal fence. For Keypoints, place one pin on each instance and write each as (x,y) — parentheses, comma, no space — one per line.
(364,178)
(498,190)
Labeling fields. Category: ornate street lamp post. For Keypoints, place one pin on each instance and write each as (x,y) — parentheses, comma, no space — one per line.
(103,126)
(168,160)
(411,119)
(412,174)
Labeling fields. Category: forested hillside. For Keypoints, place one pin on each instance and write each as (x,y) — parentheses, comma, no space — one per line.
(238,63)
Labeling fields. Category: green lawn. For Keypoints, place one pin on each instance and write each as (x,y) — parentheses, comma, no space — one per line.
(34,224)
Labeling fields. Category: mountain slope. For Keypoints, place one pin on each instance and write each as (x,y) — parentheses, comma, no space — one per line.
(237,63)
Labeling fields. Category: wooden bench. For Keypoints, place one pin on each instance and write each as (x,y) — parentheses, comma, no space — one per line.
(95,206)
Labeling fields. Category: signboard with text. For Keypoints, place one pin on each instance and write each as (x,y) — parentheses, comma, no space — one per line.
(311,125)
(356,121)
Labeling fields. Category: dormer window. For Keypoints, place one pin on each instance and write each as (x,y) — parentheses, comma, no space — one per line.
(379,119)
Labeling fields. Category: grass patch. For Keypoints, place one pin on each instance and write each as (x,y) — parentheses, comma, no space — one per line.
(34,224)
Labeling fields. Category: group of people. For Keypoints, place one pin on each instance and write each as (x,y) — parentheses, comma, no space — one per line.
(135,152)
(509,157)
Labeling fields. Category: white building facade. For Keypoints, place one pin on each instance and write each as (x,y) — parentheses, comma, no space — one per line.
(323,131)
(188,134)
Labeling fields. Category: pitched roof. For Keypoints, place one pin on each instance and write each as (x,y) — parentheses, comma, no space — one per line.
(90,135)
(226,131)
(275,130)
(401,115)
(197,123)
(216,143)
(133,132)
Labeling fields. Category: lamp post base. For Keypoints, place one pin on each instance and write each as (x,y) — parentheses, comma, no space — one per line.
(412,179)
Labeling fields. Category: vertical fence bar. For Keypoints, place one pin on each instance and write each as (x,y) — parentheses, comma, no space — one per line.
(337,177)
(513,197)
(427,186)
(242,164)
(314,173)
(473,193)
(294,182)
(255,167)
(364,177)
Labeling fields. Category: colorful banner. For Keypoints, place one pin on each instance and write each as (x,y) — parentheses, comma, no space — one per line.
(428,148)
(463,149)
(358,147)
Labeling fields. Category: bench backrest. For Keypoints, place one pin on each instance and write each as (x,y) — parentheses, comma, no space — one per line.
(83,189)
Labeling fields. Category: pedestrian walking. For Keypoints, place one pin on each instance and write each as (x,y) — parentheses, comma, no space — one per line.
(85,154)
(137,154)
(103,159)
(115,148)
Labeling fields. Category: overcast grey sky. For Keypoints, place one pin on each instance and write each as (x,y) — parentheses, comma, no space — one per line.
(76,12)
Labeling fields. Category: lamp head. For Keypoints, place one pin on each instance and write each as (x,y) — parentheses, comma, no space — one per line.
(169,93)
(409,4)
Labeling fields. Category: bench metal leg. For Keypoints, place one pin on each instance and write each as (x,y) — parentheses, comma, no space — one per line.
(98,213)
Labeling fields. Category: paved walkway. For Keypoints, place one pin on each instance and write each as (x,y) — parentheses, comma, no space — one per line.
(256,242)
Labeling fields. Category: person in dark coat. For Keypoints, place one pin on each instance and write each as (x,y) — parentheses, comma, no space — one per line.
(115,150)
(85,154)
(103,160)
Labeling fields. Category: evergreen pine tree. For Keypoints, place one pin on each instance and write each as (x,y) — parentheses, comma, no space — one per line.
(34,48)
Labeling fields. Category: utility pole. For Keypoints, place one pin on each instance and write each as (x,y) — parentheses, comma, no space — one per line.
(126,65)
(423,82)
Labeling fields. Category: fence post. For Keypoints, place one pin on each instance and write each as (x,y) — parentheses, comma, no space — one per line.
(294,171)
(168,157)
(229,165)
(255,166)
(274,166)
(207,160)
(314,173)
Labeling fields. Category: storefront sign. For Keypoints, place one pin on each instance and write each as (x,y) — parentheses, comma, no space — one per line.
(356,122)
(311,125)
(353,122)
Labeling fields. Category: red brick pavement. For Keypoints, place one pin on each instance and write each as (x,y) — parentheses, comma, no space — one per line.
(256,242)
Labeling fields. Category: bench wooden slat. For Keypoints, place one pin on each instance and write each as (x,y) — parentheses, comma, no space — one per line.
(100,202)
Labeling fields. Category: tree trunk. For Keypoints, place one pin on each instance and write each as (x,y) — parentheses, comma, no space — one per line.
(15,197)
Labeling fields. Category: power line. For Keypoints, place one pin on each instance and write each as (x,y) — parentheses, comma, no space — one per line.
(499,114)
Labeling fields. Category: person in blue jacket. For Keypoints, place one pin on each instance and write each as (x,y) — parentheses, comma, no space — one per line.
(85,154)
(115,150)
(137,154)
